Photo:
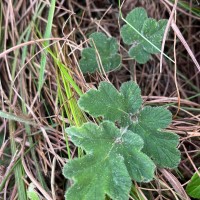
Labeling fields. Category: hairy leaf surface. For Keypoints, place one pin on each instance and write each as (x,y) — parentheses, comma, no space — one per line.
(113,105)
(102,53)
(159,144)
(150,29)
(113,158)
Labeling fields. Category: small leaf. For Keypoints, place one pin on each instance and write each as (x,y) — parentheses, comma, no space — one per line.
(102,53)
(160,145)
(193,187)
(147,28)
(127,31)
(112,105)
(32,194)
(113,158)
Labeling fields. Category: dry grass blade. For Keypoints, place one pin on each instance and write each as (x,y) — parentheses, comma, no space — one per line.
(175,184)
(4,53)
(36,124)
(185,44)
(35,182)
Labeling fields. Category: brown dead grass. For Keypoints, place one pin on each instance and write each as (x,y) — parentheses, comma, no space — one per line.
(177,85)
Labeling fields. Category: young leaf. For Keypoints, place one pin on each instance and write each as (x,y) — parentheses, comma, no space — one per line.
(103,53)
(158,144)
(31,193)
(148,35)
(193,187)
(112,105)
(113,158)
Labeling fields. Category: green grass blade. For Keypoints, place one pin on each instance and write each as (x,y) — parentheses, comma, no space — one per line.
(9,116)
(46,35)
(8,174)
(19,171)
(24,110)
(65,71)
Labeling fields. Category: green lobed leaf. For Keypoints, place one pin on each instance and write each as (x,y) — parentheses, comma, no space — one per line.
(193,187)
(150,29)
(111,104)
(102,53)
(159,144)
(113,158)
